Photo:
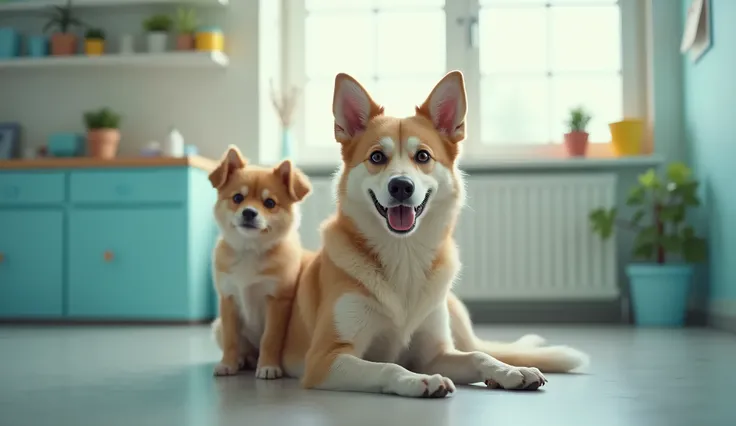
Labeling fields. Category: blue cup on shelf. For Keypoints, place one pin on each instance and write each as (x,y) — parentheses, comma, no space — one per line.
(9,43)
(65,144)
(38,46)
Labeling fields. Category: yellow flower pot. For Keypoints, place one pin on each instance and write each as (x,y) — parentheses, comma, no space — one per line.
(626,137)
(209,39)
(94,47)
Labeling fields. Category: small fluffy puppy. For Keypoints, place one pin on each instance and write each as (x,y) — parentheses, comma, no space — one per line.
(256,261)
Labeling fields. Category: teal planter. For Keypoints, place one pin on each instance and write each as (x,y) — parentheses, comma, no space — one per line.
(38,46)
(9,43)
(659,293)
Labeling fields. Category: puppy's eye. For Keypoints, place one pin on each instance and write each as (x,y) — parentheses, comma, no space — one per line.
(269,203)
(378,157)
(238,198)
(422,156)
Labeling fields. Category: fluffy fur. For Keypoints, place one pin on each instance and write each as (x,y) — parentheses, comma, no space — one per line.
(256,261)
(374,311)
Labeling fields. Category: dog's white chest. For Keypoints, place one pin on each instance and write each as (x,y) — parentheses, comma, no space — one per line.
(249,290)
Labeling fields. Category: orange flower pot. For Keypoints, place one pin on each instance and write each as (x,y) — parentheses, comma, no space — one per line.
(576,143)
(185,42)
(63,44)
(103,143)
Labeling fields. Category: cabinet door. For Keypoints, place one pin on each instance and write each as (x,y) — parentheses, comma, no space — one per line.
(31,263)
(128,264)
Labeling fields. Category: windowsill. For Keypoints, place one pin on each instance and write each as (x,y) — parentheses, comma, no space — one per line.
(476,165)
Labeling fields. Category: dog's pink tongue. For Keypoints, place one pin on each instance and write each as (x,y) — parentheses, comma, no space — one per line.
(401,218)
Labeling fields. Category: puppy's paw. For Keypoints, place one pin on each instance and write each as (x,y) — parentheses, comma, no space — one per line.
(269,372)
(517,378)
(225,369)
(423,386)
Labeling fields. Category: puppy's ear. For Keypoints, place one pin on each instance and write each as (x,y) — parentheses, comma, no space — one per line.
(232,160)
(446,106)
(296,183)
(352,107)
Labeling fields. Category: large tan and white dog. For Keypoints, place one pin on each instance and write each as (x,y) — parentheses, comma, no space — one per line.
(257,260)
(373,310)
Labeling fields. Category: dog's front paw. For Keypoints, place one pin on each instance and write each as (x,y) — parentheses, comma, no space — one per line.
(225,369)
(269,372)
(517,378)
(422,386)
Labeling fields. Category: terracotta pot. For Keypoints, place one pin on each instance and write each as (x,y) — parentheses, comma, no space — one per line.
(103,143)
(185,42)
(63,44)
(576,143)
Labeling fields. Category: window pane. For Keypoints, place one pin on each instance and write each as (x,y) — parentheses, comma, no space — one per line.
(312,5)
(399,52)
(601,95)
(513,39)
(515,110)
(340,42)
(319,124)
(585,38)
(401,96)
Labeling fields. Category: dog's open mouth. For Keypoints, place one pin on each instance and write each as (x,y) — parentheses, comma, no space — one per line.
(400,219)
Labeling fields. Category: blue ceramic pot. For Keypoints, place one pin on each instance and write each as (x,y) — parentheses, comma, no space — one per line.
(38,46)
(9,43)
(659,293)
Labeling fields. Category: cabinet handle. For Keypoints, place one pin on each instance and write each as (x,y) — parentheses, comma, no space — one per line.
(108,256)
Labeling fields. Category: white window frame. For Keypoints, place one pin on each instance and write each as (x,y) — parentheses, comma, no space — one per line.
(459,16)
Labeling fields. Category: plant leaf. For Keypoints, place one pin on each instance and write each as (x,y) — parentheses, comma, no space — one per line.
(678,173)
(644,251)
(602,221)
(649,179)
(694,250)
(638,216)
(636,196)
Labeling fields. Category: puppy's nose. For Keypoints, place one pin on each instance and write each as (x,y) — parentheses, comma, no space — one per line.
(401,188)
(250,214)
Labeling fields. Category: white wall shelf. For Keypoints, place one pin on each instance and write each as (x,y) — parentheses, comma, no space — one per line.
(168,59)
(30,5)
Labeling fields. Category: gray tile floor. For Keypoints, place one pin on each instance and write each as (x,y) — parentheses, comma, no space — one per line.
(163,376)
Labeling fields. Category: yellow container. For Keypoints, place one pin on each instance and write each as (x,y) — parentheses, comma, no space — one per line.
(209,39)
(626,137)
(94,47)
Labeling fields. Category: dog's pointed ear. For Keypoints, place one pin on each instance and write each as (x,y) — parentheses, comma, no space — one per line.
(232,160)
(296,183)
(446,106)
(352,108)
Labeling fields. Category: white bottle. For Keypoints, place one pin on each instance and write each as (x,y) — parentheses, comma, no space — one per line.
(174,146)
(126,44)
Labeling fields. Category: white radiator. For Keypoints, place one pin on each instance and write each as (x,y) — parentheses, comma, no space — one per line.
(520,237)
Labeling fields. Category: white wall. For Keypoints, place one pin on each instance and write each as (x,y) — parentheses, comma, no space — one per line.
(211,107)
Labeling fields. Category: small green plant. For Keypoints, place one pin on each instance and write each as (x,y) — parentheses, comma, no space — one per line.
(158,23)
(579,119)
(186,20)
(665,203)
(62,18)
(104,118)
(94,34)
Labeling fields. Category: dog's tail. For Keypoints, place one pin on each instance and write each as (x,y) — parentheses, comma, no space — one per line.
(528,351)
(217,331)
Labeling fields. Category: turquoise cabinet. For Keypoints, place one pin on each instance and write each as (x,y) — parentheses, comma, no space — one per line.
(31,263)
(127,264)
(113,243)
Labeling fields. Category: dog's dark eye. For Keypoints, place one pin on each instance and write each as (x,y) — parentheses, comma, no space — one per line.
(378,157)
(269,203)
(422,156)
(238,198)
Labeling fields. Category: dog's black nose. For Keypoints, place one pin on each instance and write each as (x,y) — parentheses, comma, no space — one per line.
(401,188)
(249,214)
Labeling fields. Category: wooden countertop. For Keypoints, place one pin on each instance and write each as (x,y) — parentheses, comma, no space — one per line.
(195,161)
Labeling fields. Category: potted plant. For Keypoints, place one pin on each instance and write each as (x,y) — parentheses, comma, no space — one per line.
(186,25)
(157,32)
(94,42)
(576,140)
(660,286)
(103,134)
(63,42)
